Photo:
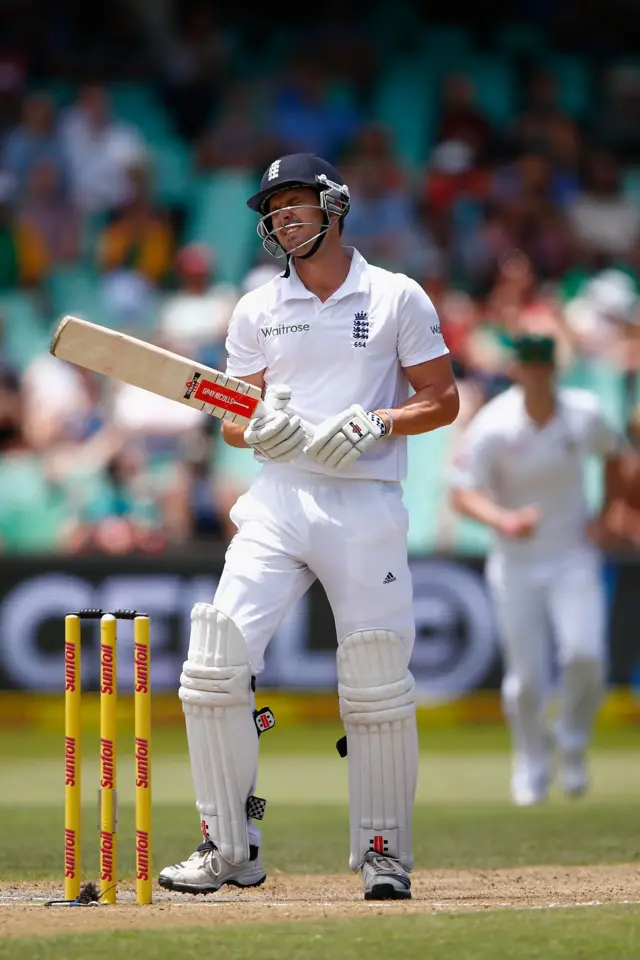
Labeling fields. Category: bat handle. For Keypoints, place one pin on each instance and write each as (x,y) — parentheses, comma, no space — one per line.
(277,397)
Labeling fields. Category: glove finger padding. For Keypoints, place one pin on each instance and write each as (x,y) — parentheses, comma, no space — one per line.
(340,440)
(288,428)
(265,427)
(286,444)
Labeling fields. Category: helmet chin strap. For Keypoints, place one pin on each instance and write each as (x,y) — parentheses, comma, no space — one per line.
(314,249)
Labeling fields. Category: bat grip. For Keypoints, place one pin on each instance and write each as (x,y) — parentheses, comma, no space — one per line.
(279,403)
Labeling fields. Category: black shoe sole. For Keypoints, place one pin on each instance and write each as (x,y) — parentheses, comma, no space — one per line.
(167,884)
(386,891)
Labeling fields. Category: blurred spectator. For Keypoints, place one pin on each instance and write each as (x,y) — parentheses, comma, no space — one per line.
(118,513)
(527,190)
(452,202)
(461,120)
(33,511)
(61,402)
(135,252)
(193,65)
(100,151)
(13,73)
(604,316)
(194,320)
(375,142)
(535,130)
(34,139)
(162,431)
(565,151)
(47,211)
(515,304)
(452,175)
(236,139)
(382,222)
(618,125)
(262,272)
(23,256)
(305,119)
(209,500)
(602,218)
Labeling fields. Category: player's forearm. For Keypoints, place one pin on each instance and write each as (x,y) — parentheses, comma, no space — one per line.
(478,506)
(428,409)
(233,434)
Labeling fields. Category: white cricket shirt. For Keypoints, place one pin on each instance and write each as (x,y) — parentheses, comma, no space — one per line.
(521,464)
(350,349)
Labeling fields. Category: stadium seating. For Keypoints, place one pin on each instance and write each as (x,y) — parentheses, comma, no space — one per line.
(24,329)
(219,216)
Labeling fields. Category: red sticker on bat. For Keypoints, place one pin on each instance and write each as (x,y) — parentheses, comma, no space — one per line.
(231,400)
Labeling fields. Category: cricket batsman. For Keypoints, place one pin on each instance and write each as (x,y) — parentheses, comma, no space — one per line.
(520,472)
(348,340)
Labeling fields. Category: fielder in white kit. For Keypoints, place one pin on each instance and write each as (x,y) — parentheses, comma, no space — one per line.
(348,340)
(520,471)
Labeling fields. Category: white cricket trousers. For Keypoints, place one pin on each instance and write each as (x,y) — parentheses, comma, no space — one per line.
(561,601)
(294,527)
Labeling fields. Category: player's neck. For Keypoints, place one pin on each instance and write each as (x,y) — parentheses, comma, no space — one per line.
(325,273)
(540,405)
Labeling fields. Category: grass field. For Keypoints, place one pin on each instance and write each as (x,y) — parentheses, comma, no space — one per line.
(478,859)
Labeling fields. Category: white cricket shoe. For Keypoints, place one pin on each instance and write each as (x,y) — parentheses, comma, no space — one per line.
(573,773)
(384,878)
(529,785)
(206,871)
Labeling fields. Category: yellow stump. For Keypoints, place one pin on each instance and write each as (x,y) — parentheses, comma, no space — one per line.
(142,723)
(72,758)
(108,773)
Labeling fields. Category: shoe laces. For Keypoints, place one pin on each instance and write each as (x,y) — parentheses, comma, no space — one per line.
(209,855)
(383,864)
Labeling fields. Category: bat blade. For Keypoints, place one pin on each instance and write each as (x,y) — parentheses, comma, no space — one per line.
(145,365)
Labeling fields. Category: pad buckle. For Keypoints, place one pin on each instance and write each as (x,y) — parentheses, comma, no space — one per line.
(255,808)
(264,720)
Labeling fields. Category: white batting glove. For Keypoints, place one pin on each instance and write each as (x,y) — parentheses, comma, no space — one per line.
(341,439)
(274,433)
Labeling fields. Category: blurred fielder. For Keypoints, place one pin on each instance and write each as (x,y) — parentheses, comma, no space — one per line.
(348,340)
(520,471)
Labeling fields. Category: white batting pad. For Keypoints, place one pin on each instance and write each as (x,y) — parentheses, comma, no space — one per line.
(377,706)
(215,689)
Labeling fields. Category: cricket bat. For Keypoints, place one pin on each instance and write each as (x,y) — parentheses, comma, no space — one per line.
(152,368)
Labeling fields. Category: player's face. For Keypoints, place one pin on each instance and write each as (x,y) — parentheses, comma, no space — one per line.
(534,376)
(296,218)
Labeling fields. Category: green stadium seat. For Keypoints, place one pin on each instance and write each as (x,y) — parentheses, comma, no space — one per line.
(137,104)
(32,513)
(494,82)
(171,172)
(574,82)
(404,102)
(520,39)
(74,290)
(219,217)
(25,329)
(426,487)
(447,46)
(62,91)
(631,184)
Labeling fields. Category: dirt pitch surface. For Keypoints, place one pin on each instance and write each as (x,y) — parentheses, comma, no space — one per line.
(296,897)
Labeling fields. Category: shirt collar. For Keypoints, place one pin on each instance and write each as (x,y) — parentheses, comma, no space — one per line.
(356,281)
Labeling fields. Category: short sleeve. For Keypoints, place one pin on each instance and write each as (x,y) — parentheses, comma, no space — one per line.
(244,354)
(603,440)
(473,465)
(419,335)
